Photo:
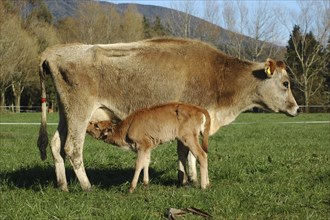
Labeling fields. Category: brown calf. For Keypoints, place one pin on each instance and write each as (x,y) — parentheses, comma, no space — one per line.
(95,129)
(148,127)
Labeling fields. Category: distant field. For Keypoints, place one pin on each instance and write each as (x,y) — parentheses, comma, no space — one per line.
(266,166)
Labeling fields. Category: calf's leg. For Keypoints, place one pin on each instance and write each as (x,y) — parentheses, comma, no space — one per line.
(146,168)
(139,165)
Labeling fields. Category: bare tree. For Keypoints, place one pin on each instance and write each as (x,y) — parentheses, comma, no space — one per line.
(44,33)
(95,23)
(18,58)
(180,23)
(263,30)
(208,29)
(234,19)
(254,31)
(312,16)
(90,23)
(212,11)
(26,65)
(132,25)
(112,27)
(6,23)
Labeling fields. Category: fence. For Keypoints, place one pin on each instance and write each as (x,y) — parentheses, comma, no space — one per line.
(11,108)
(316,108)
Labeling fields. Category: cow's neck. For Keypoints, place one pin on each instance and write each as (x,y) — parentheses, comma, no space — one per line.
(241,99)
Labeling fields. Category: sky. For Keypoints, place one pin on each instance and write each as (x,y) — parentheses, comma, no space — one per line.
(290,4)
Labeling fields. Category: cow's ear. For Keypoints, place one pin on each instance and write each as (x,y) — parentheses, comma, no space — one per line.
(281,64)
(270,66)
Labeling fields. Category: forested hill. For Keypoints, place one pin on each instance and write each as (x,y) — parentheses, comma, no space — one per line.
(174,21)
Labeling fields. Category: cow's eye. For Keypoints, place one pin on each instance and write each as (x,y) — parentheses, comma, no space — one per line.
(286,84)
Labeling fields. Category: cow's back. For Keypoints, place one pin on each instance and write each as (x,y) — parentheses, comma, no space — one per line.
(158,72)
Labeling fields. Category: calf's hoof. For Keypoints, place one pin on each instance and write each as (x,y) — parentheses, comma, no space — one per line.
(131,190)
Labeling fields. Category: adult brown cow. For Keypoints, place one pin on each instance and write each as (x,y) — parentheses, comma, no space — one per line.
(117,79)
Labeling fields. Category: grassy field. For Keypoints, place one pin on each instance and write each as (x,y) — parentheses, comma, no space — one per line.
(259,168)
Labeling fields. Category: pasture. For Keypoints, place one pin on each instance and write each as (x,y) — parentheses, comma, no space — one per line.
(259,168)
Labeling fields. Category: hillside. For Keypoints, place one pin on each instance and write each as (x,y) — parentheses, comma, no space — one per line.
(63,8)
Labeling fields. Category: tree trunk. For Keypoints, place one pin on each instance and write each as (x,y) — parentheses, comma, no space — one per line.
(306,93)
(18,103)
(2,101)
(17,91)
(306,96)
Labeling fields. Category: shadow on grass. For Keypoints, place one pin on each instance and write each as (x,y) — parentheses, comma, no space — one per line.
(42,176)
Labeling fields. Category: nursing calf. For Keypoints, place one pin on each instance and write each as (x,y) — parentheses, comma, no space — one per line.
(148,127)
(96,129)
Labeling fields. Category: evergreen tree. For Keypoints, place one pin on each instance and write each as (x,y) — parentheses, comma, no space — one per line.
(156,29)
(146,28)
(159,29)
(40,12)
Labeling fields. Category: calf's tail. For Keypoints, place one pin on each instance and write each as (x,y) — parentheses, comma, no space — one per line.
(206,132)
(43,135)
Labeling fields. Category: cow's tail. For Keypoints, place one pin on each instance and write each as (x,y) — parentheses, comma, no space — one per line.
(43,135)
(206,131)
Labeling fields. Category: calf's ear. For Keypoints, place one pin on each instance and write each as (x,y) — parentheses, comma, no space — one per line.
(96,126)
(270,66)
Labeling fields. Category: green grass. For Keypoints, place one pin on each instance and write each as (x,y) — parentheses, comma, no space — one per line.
(263,170)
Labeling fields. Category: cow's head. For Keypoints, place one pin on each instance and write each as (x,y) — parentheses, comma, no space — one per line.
(274,92)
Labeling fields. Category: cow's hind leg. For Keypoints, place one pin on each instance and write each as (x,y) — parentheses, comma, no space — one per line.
(74,151)
(56,147)
(182,155)
(198,152)
(75,143)
(192,168)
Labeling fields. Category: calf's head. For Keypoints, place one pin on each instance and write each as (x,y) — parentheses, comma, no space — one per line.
(274,91)
(107,134)
(97,129)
